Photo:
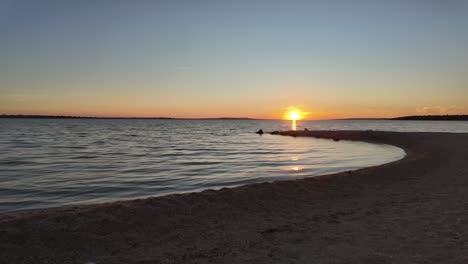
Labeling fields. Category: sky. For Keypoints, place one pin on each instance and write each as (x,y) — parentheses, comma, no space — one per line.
(214,58)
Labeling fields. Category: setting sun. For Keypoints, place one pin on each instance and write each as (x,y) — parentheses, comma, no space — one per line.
(294,115)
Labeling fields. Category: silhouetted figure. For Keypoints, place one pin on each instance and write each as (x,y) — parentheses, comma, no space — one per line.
(305,129)
(260,132)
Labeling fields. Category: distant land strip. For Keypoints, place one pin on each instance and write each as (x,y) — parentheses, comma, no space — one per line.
(420,117)
(434,117)
(96,117)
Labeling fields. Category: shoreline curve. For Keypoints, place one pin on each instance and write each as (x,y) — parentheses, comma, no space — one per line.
(351,135)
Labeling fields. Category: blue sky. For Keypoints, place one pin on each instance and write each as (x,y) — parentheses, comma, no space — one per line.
(233,58)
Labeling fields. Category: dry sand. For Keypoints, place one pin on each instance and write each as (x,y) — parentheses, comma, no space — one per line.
(411,211)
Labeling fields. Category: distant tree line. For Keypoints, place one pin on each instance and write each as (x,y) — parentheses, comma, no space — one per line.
(76,117)
(435,117)
(91,117)
(421,117)
(40,116)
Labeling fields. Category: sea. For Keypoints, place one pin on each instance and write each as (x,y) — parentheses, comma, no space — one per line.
(60,162)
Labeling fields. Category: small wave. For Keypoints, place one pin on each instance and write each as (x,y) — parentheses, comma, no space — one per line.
(86,157)
(69,147)
(16,162)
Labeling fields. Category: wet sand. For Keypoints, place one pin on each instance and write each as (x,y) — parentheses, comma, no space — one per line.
(411,211)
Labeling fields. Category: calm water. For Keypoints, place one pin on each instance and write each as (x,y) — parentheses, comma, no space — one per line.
(48,163)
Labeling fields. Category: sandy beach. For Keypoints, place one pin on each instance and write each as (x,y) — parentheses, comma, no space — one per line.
(410,211)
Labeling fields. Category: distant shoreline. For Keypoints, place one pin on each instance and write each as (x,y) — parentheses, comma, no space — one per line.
(96,117)
(417,118)
(435,118)
(420,118)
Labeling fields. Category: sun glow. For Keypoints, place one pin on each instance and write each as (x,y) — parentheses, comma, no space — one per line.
(294,113)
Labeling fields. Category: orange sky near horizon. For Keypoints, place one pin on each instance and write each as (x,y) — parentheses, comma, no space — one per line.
(266,111)
(263,99)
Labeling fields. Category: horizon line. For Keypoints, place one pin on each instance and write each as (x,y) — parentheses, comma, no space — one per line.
(220,118)
(159,117)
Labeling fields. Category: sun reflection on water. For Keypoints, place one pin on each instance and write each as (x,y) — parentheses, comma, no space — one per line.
(296,168)
(294,126)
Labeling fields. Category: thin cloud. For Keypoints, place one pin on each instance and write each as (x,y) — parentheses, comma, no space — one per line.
(440,110)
